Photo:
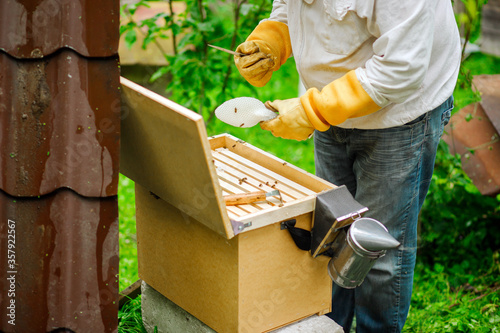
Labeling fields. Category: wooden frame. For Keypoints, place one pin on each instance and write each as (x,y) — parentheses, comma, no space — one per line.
(242,168)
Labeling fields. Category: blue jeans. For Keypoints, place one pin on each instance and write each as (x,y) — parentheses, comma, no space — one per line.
(389,171)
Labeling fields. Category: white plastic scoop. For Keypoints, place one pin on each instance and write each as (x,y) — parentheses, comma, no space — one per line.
(244,112)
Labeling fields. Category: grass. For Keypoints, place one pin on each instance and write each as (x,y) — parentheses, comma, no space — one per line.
(128,238)
(130,319)
(439,304)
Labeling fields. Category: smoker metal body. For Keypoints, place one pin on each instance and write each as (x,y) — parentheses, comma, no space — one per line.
(351,261)
(354,242)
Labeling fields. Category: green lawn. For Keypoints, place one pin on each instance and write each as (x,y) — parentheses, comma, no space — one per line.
(128,239)
(452,293)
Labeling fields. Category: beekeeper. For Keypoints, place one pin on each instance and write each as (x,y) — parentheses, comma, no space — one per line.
(379,77)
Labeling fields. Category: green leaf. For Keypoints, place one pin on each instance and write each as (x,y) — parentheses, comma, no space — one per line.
(130,38)
(206,26)
(176,29)
(123,28)
(439,268)
(148,39)
(159,73)
(246,8)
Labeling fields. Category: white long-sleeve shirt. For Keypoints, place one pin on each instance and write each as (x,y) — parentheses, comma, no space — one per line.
(406,53)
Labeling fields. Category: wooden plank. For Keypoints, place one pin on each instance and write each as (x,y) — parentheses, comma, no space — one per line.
(231,189)
(490,30)
(258,178)
(262,170)
(252,207)
(281,282)
(129,293)
(249,167)
(274,163)
(278,214)
(218,141)
(187,262)
(236,173)
(248,183)
(235,212)
(164,148)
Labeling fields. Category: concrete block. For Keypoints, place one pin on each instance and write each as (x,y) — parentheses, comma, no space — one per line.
(316,324)
(158,311)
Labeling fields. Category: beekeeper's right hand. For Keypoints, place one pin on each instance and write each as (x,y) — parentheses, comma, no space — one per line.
(292,121)
(266,49)
(341,99)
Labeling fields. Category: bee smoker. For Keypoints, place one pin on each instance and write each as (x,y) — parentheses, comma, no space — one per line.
(355,251)
(353,242)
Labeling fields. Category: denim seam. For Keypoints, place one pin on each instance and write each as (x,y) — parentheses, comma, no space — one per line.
(404,227)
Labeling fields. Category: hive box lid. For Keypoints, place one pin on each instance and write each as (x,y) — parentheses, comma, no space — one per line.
(162,143)
(165,148)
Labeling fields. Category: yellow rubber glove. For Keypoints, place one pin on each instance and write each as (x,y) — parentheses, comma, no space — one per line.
(292,122)
(339,100)
(266,49)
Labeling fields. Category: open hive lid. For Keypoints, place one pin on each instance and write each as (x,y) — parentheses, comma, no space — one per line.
(165,148)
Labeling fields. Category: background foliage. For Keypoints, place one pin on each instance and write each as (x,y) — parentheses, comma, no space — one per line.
(201,78)
(456,287)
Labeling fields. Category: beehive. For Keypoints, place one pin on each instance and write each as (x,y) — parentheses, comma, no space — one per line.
(234,268)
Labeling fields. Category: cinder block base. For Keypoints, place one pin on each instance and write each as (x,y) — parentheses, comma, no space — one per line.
(158,311)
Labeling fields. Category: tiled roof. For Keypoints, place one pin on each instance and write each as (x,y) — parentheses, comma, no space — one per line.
(60,121)
(38,28)
(59,156)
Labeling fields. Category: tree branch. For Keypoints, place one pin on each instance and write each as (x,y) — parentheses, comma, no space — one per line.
(174,38)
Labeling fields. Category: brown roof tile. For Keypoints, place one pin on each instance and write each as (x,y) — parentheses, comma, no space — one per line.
(59,120)
(66,262)
(37,28)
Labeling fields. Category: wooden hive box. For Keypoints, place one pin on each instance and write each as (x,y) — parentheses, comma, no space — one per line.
(234,268)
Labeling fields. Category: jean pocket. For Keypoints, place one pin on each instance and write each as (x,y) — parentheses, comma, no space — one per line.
(445,118)
(416,120)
